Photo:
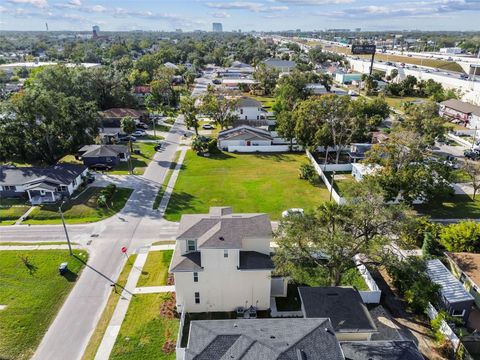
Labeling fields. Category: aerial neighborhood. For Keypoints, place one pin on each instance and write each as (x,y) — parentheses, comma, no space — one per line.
(227,194)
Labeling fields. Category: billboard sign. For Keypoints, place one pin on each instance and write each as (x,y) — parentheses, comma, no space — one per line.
(363,49)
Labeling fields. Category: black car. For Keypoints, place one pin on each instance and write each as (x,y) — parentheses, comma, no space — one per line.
(100,167)
(158,147)
(471,154)
(128,138)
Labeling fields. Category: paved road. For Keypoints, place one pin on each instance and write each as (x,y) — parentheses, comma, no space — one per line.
(135,226)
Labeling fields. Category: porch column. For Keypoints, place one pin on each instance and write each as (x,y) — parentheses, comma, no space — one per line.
(29,196)
(53,196)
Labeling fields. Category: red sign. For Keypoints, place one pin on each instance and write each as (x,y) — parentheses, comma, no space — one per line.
(124,249)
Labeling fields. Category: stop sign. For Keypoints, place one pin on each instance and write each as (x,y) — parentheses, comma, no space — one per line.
(124,249)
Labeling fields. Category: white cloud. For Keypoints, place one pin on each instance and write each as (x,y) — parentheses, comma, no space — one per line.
(36,3)
(75,2)
(3,9)
(221,15)
(245,5)
(315,2)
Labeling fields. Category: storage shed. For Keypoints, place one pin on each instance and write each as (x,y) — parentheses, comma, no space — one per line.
(455,299)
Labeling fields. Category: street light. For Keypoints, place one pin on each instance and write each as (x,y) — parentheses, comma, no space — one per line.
(65,228)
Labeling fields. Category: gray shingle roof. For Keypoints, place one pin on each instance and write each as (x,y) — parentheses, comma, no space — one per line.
(343,305)
(189,262)
(462,106)
(223,232)
(253,260)
(89,151)
(262,339)
(451,289)
(244,130)
(249,102)
(278,63)
(56,174)
(380,350)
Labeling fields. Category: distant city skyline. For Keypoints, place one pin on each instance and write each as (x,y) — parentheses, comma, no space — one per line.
(260,15)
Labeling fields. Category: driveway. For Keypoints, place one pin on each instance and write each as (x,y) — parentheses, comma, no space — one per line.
(136,225)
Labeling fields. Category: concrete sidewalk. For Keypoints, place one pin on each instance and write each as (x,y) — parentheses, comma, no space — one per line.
(171,184)
(108,341)
(162,247)
(38,247)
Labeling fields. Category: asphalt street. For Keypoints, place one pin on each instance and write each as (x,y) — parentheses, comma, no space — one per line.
(136,225)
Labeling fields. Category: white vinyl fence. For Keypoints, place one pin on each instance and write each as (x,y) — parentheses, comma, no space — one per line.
(372,296)
(318,168)
(180,352)
(262,149)
(444,328)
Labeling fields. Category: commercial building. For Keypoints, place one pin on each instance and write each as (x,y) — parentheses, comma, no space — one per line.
(217,27)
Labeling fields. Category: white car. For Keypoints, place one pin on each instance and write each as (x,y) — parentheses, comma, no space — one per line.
(139,133)
(293,211)
(208,126)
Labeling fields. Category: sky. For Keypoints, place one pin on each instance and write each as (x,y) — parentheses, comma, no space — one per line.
(260,15)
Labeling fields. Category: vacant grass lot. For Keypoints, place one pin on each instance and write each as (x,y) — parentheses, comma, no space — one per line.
(102,324)
(397,102)
(249,183)
(33,291)
(145,331)
(155,271)
(83,209)
(452,207)
(139,161)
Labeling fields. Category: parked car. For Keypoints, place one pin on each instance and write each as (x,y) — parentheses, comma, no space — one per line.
(217,81)
(158,147)
(128,138)
(100,167)
(139,133)
(208,126)
(464,76)
(292,212)
(472,154)
(142,125)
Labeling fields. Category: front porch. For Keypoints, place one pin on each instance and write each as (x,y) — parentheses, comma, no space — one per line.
(38,197)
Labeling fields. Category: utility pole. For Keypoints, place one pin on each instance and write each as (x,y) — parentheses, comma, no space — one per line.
(65,228)
(130,157)
(331,185)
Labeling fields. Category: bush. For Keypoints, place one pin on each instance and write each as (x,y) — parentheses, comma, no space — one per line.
(410,278)
(212,146)
(307,172)
(461,237)
(106,195)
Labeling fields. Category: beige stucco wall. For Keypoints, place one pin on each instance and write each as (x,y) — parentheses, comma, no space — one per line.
(222,286)
(261,245)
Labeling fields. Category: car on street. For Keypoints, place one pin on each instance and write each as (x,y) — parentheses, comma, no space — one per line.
(472,154)
(139,133)
(217,81)
(142,125)
(208,127)
(293,212)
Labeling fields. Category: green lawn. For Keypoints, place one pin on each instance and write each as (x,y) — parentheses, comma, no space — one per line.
(99,332)
(33,291)
(397,102)
(267,101)
(139,162)
(9,214)
(452,207)
(249,183)
(145,331)
(343,183)
(155,270)
(84,209)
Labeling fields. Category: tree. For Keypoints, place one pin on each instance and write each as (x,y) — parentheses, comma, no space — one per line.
(472,169)
(190,112)
(430,247)
(43,125)
(423,119)
(370,85)
(162,87)
(330,237)
(286,127)
(128,126)
(407,172)
(290,90)
(461,237)
(221,109)
(267,78)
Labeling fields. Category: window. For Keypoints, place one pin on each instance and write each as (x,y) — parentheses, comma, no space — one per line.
(258,117)
(241,111)
(74,182)
(9,188)
(62,188)
(458,312)
(225,253)
(191,245)
(195,277)
(109,160)
(197,298)
(463,277)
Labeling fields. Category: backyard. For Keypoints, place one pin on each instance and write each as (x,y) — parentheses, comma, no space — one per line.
(139,161)
(33,292)
(83,209)
(267,183)
(155,270)
(451,207)
(149,330)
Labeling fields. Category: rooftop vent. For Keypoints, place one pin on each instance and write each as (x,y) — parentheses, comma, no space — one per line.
(235,325)
(221,238)
(301,355)
(272,337)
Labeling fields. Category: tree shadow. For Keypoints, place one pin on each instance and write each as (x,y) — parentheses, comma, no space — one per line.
(179,202)
(273,157)
(218,156)
(70,275)
(31,268)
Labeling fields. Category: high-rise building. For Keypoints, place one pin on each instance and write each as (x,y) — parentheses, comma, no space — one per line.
(217,27)
(96,31)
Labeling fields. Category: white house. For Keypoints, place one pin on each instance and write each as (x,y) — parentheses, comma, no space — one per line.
(359,171)
(222,261)
(461,112)
(250,109)
(243,135)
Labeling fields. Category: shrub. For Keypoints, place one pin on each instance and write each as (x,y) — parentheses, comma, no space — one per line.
(106,195)
(212,146)
(464,236)
(307,172)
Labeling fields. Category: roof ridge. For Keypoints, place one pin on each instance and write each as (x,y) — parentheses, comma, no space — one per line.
(308,334)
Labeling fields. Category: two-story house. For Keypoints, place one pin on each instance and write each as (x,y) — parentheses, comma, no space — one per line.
(250,109)
(222,261)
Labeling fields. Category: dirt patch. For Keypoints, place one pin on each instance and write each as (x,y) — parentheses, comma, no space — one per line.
(410,326)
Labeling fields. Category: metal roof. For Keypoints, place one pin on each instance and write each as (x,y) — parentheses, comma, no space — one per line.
(451,289)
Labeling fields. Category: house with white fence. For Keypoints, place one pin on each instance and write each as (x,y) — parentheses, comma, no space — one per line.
(250,109)
(222,261)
